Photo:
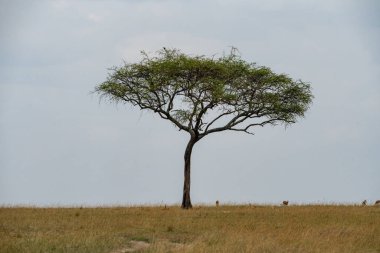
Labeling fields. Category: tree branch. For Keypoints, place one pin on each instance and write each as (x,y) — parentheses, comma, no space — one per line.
(169,117)
(218,117)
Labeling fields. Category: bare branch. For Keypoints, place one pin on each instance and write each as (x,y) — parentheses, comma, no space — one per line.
(241,130)
(170,117)
(217,118)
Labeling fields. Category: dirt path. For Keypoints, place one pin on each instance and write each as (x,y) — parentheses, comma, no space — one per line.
(133,246)
(136,246)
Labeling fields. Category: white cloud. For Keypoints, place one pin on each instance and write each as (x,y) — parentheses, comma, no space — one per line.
(96,18)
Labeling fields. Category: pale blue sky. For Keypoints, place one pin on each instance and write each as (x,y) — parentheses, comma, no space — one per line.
(60,146)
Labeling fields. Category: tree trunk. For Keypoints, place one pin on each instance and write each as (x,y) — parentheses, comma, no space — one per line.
(186,201)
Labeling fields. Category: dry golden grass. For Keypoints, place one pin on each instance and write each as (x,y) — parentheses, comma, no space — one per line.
(202,229)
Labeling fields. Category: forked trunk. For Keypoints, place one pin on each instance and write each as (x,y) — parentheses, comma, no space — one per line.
(186,201)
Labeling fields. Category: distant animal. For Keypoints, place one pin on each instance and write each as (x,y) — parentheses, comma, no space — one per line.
(285,202)
(377,202)
(217,203)
(364,203)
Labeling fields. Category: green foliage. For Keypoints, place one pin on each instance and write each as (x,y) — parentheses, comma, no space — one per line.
(203,95)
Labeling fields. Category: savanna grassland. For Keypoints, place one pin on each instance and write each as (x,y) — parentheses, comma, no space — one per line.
(311,228)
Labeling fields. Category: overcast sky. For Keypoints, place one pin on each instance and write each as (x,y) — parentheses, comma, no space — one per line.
(60,146)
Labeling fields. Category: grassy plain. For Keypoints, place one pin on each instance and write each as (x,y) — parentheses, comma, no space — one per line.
(330,228)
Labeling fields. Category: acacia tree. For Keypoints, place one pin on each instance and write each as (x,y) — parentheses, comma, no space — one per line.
(202,95)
